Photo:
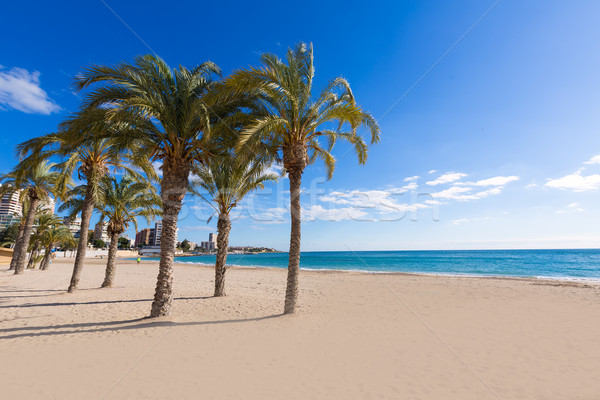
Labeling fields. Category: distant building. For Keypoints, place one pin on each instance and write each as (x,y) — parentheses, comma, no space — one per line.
(73,225)
(157,233)
(143,237)
(48,205)
(151,236)
(100,232)
(11,209)
(211,244)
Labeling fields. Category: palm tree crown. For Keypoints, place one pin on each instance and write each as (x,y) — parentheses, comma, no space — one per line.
(37,181)
(227,178)
(167,108)
(289,119)
(125,200)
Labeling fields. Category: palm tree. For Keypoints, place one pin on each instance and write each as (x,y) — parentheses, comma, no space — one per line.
(227,179)
(49,231)
(121,202)
(37,181)
(290,121)
(172,124)
(56,234)
(84,142)
(23,199)
(44,220)
(69,245)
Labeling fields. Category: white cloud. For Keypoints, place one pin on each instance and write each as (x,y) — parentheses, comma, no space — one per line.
(531,185)
(433,171)
(334,214)
(410,186)
(573,207)
(463,220)
(459,221)
(275,168)
(20,90)
(411,178)
(576,182)
(460,193)
(273,215)
(390,204)
(447,178)
(496,181)
(158,168)
(593,160)
(383,201)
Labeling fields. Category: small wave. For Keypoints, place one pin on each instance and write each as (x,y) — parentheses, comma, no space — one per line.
(412,272)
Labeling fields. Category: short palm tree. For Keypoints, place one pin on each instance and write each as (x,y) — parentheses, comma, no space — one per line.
(44,220)
(52,235)
(223,182)
(69,245)
(37,181)
(24,200)
(84,143)
(172,124)
(291,122)
(121,202)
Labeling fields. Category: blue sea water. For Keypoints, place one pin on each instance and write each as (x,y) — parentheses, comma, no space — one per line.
(561,264)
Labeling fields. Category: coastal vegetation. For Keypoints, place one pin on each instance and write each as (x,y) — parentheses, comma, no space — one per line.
(226,179)
(186,130)
(120,202)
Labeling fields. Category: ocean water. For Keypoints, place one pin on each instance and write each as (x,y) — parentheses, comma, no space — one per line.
(562,264)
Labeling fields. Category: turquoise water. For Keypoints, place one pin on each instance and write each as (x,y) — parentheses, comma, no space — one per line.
(563,264)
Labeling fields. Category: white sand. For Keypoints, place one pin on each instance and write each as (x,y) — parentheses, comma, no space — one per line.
(357,336)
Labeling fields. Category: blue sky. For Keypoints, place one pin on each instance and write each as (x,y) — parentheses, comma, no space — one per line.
(490,144)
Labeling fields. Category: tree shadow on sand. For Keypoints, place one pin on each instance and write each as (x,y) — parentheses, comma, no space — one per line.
(94,327)
(57,304)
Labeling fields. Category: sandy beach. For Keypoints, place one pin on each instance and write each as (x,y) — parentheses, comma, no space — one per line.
(356,336)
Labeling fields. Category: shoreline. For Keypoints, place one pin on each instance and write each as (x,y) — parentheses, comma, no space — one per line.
(403,273)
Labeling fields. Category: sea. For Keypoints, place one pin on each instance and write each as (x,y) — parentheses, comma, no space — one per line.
(579,264)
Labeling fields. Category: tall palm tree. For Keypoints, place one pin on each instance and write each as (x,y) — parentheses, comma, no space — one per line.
(223,182)
(173,123)
(37,181)
(84,143)
(291,122)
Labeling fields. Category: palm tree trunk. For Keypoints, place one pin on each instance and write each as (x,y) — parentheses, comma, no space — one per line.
(173,188)
(47,254)
(291,291)
(17,247)
(35,252)
(86,214)
(109,275)
(27,231)
(223,227)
